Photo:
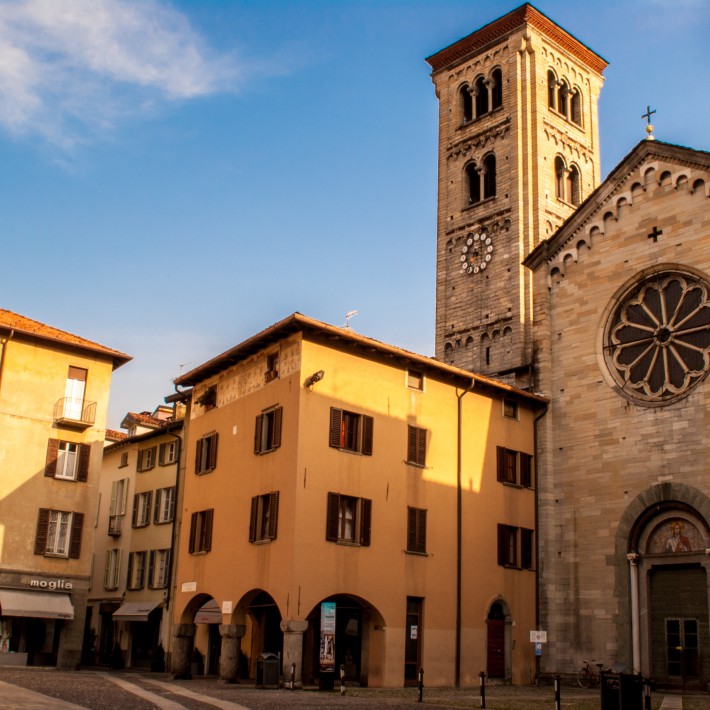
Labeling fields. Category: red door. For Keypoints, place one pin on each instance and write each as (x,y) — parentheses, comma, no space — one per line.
(496,648)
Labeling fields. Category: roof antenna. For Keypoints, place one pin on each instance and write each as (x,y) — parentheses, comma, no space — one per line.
(348,316)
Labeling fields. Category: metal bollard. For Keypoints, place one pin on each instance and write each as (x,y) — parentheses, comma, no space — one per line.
(647,694)
(420,685)
(482,682)
(293,676)
(342,679)
(557,692)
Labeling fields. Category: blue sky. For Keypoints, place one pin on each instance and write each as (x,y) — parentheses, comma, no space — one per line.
(179,175)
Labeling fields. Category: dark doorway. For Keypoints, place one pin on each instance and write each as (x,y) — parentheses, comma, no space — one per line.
(496,641)
(412,640)
(144,639)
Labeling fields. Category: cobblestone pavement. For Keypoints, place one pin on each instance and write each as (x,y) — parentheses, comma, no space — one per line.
(108,690)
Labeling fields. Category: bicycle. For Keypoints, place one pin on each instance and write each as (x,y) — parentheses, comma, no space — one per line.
(587,677)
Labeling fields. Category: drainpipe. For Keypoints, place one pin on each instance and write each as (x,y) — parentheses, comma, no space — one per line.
(457,672)
(537,533)
(4,341)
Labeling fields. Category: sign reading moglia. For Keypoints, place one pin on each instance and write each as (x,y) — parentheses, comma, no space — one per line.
(51,584)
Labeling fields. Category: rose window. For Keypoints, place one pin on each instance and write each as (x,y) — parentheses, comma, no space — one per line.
(657,342)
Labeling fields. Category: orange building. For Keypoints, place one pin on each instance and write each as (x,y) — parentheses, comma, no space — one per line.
(348,504)
(54,389)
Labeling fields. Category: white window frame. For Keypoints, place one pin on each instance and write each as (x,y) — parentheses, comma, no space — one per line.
(168,452)
(67,461)
(138,567)
(143,512)
(58,533)
(112,569)
(165,503)
(160,567)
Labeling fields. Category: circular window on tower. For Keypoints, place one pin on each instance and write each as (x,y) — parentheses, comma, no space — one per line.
(657,337)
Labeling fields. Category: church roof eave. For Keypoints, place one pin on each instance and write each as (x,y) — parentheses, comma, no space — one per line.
(641,152)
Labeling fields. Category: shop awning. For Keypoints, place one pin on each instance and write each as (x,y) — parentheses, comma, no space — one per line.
(40,605)
(134,611)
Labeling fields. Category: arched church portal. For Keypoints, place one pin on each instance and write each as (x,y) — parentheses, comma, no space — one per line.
(669,570)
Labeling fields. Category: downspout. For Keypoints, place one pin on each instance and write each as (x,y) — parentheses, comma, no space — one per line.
(537,534)
(459,494)
(4,342)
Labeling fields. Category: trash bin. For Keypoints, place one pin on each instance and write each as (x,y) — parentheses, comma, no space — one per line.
(609,684)
(267,671)
(631,692)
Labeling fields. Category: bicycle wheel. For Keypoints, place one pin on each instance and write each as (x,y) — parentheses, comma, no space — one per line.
(584,678)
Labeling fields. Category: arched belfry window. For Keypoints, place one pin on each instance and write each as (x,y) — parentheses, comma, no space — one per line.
(574,188)
(496,89)
(576,106)
(489,176)
(551,90)
(466,104)
(563,99)
(473,181)
(560,170)
(481,91)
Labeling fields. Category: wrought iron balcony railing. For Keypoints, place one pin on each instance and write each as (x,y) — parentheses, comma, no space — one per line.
(75,412)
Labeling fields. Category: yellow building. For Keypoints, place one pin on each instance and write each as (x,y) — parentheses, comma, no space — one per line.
(133,544)
(54,389)
(351,504)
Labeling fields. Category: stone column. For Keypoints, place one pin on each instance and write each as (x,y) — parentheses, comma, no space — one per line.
(635,622)
(293,650)
(229,655)
(182,650)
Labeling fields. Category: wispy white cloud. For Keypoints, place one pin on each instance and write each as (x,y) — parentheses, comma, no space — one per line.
(72,69)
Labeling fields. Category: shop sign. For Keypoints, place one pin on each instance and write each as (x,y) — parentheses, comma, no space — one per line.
(51,584)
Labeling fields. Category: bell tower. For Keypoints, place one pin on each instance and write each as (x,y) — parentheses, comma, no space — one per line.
(518,152)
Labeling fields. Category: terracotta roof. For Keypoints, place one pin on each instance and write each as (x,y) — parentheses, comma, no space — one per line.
(146,419)
(297,322)
(113,435)
(493,31)
(33,328)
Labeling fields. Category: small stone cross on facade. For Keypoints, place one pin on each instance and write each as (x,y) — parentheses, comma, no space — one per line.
(655,234)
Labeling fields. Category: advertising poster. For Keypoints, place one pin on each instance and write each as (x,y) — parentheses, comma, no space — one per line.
(327,636)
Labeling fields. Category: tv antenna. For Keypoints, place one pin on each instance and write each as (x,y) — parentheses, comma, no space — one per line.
(348,316)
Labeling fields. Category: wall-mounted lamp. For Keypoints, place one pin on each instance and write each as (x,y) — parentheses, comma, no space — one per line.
(315,377)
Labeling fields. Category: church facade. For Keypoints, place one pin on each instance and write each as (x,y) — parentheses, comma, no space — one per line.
(596,295)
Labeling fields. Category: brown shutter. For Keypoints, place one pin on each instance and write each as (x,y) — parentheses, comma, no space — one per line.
(367,428)
(42,529)
(50,466)
(154,449)
(526,470)
(500,462)
(156,507)
(421,447)
(148,505)
(82,473)
(273,514)
(411,445)
(336,419)
(77,523)
(421,531)
(198,455)
(151,568)
(129,573)
(161,453)
(209,519)
(276,439)
(212,463)
(365,521)
(331,523)
(502,546)
(257,433)
(193,532)
(134,519)
(253,518)
(411,529)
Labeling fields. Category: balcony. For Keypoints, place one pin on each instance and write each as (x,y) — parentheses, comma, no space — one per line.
(115,523)
(74,413)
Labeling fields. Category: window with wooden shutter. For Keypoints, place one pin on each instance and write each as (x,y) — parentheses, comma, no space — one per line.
(416,446)
(168,452)
(526,548)
(206,454)
(77,525)
(82,473)
(507,545)
(193,533)
(416,530)
(348,519)
(267,431)
(507,464)
(201,531)
(350,431)
(164,505)
(146,459)
(263,521)
(50,466)
(112,569)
